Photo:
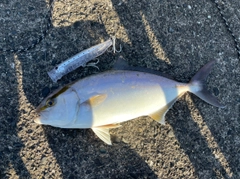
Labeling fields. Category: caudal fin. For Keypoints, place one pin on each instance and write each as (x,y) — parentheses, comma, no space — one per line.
(199,79)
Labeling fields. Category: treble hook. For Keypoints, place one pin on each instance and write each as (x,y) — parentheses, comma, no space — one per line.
(93,64)
(114,45)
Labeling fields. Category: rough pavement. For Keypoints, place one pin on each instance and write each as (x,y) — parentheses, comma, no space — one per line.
(174,37)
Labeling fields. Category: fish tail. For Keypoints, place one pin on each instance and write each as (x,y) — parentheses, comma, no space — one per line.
(199,87)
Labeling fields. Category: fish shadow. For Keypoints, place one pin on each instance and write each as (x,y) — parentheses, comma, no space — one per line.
(80,154)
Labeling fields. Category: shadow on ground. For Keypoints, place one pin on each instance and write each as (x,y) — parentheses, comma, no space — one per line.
(11,162)
(188,39)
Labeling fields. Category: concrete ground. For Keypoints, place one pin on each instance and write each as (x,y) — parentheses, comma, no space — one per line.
(174,37)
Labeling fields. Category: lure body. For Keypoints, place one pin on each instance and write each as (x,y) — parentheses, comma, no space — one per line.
(80,59)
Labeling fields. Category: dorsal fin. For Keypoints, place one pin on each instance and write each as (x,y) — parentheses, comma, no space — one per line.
(121,64)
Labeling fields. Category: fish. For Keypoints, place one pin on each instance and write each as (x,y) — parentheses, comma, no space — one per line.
(102,101)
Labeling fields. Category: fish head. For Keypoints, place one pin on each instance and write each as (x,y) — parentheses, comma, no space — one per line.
(58,109)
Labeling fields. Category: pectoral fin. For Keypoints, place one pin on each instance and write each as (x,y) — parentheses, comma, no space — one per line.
(103,134)
(97,99)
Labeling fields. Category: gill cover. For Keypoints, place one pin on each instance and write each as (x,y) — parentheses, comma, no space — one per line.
(59,108)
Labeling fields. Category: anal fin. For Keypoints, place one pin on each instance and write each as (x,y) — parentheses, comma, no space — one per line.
(103,132)
(159,115)
(110,126)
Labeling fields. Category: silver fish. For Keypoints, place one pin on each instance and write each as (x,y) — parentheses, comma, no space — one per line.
(102,101)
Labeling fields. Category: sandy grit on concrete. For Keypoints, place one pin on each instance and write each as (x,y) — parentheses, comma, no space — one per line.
(174,37)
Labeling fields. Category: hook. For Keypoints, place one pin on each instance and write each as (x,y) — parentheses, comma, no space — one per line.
(114,45)
(93,64)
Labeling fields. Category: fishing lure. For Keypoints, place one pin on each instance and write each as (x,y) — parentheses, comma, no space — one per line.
(80,59)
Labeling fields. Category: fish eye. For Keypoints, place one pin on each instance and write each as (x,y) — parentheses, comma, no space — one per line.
(50,102)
